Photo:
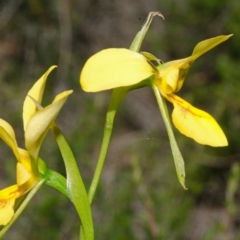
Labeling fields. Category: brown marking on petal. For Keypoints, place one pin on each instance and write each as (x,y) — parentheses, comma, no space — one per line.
(14,193)
(184,109)
(186,65)
(175,99)
(10,195)
(3,203)
(182,73)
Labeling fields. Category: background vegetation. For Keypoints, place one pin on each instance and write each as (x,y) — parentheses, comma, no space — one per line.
(139,196)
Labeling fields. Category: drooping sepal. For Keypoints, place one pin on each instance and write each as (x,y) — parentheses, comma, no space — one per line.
(196,124)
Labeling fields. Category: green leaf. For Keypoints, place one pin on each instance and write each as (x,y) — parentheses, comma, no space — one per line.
(177,156)
(57,181)
(75,186)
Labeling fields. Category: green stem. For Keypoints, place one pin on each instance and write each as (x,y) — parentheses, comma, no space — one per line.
(75,186)
(22,207)
(177,156)
(116,98)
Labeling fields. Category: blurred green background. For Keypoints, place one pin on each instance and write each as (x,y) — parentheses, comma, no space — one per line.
(139,196)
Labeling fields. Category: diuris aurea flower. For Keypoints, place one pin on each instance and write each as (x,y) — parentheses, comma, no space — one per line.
(30,169)
(113,68)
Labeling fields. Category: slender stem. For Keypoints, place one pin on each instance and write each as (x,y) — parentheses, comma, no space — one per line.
(177,156)
(116,98)
(22,207)
(75,186)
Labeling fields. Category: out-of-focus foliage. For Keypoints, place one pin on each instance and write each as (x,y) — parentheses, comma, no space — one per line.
(139,196)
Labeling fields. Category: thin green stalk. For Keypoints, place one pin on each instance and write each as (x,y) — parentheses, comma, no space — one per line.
(116,98)
(22,207)
(75,186)
(177,156)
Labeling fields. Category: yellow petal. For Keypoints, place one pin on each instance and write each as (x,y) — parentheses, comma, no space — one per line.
(36,92)
(112,68)
(172,74)
(170,81)
(196,124)
(23,175)
(25,159)
(39,124)
(8,136)
(7,201)
(208,44)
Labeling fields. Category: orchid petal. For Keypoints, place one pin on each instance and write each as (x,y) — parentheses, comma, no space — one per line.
(112,68)
(23,175)
(196,124)
(25,159)
(8,136)
(173,73)
(207,45)
(36,92)
(7,201)
(40,123)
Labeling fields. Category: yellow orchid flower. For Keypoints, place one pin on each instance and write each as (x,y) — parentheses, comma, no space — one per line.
(113,68)
(36,125)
